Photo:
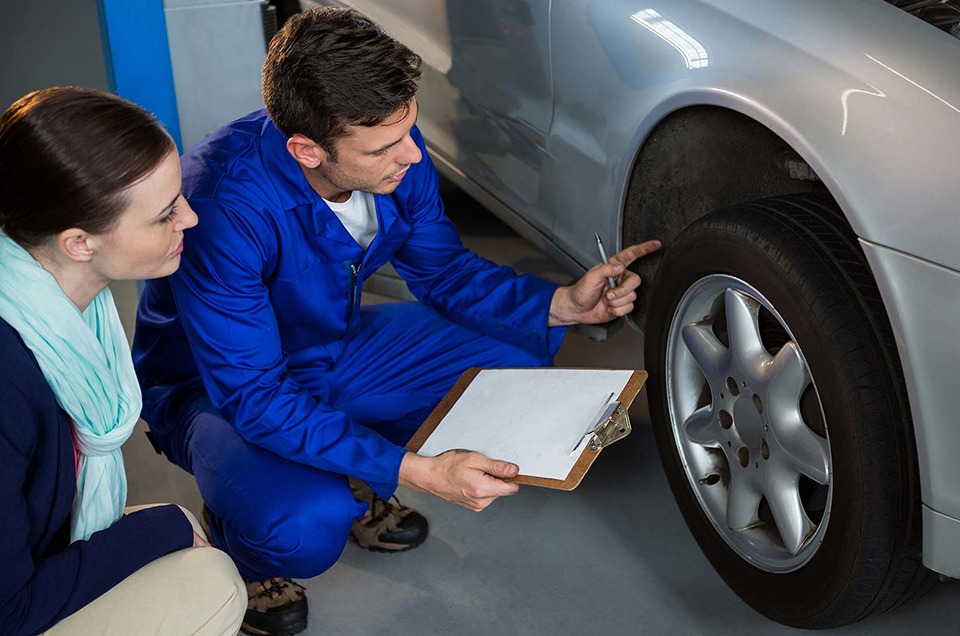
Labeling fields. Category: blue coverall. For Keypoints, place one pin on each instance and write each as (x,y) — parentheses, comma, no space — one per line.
(264,377)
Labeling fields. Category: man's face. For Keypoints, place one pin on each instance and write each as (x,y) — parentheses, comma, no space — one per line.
(373,158)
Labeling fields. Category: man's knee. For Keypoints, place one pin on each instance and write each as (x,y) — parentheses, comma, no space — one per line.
(303,545)
(312,555)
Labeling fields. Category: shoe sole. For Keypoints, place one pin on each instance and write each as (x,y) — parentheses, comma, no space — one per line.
(374,548)
(290,630)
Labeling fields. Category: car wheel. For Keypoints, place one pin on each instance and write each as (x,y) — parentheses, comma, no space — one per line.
(780,413)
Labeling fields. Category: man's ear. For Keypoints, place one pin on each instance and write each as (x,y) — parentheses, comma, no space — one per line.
(77,244)
(307,153)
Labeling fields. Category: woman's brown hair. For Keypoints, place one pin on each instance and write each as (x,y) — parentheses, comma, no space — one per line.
(66,156)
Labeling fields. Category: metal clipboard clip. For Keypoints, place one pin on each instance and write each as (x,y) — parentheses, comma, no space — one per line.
(613,426)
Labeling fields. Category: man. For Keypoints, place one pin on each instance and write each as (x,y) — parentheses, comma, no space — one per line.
(262,374)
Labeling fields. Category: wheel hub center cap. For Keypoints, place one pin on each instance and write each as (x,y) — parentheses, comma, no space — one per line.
(748,422)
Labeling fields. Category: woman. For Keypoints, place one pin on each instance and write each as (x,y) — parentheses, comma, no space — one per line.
(89,194)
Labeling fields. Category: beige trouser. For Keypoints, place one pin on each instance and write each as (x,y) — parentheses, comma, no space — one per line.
(191,591)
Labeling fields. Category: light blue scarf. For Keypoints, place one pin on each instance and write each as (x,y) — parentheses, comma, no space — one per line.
(86,360)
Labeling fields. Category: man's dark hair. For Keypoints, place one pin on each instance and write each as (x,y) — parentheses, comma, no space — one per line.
(331,67)
(67,154)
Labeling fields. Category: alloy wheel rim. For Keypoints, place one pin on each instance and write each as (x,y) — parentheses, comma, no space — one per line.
(748,424)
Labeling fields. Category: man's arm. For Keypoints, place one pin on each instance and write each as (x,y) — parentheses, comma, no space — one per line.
(462,286)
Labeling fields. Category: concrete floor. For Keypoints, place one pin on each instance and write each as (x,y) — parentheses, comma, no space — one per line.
(612,557)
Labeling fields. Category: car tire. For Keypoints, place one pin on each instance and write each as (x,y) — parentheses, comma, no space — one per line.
(781,416)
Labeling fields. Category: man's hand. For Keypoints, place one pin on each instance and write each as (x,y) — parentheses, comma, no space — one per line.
(465,478)
(590,301)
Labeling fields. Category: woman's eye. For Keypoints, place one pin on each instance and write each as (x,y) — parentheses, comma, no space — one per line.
(172,215)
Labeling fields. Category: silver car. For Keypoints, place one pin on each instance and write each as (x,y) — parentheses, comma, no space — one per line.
(798,160)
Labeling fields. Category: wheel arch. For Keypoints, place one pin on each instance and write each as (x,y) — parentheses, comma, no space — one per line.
(700,158)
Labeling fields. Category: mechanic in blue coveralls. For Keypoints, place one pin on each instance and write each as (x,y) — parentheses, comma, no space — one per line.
(262,374)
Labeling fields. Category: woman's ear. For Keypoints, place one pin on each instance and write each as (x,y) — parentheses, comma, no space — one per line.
(77,244)
(307,153)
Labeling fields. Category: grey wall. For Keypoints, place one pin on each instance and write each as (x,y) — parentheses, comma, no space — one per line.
(49,43)
(217,49)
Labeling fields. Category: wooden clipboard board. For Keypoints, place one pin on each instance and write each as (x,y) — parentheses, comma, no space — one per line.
(615,427)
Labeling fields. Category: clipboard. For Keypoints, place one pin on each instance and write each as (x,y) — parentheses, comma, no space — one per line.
(601,428)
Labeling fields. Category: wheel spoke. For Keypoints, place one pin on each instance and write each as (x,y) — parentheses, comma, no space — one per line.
(743,502)
(709,353)
(783,496)
(743,330)
(787,378)
(808,453)
(701,427)
(805,451)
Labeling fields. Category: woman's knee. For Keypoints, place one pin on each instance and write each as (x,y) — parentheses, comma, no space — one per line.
(226,598)
(190,591)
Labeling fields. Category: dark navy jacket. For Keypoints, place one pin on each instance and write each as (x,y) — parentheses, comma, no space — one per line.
(43,577)
(269,286)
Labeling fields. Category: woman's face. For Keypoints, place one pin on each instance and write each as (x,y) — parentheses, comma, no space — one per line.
(148,237)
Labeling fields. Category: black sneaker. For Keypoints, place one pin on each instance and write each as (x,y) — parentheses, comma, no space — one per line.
(387,526)
(276,607)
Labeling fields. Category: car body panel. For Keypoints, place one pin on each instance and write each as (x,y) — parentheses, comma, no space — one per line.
(940,552)
(866,94)
(826,107)
(925,301)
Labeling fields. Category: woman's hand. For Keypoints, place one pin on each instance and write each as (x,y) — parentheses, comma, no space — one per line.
(199,542)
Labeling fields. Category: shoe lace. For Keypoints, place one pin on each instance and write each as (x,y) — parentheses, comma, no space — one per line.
(275,587)
(380,508)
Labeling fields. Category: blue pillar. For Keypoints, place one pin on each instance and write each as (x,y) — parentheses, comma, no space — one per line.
(137,56)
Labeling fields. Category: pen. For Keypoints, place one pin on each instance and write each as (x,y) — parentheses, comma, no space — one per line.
(611,281)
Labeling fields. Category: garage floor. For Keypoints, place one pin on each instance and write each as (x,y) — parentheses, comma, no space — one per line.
(612,557)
